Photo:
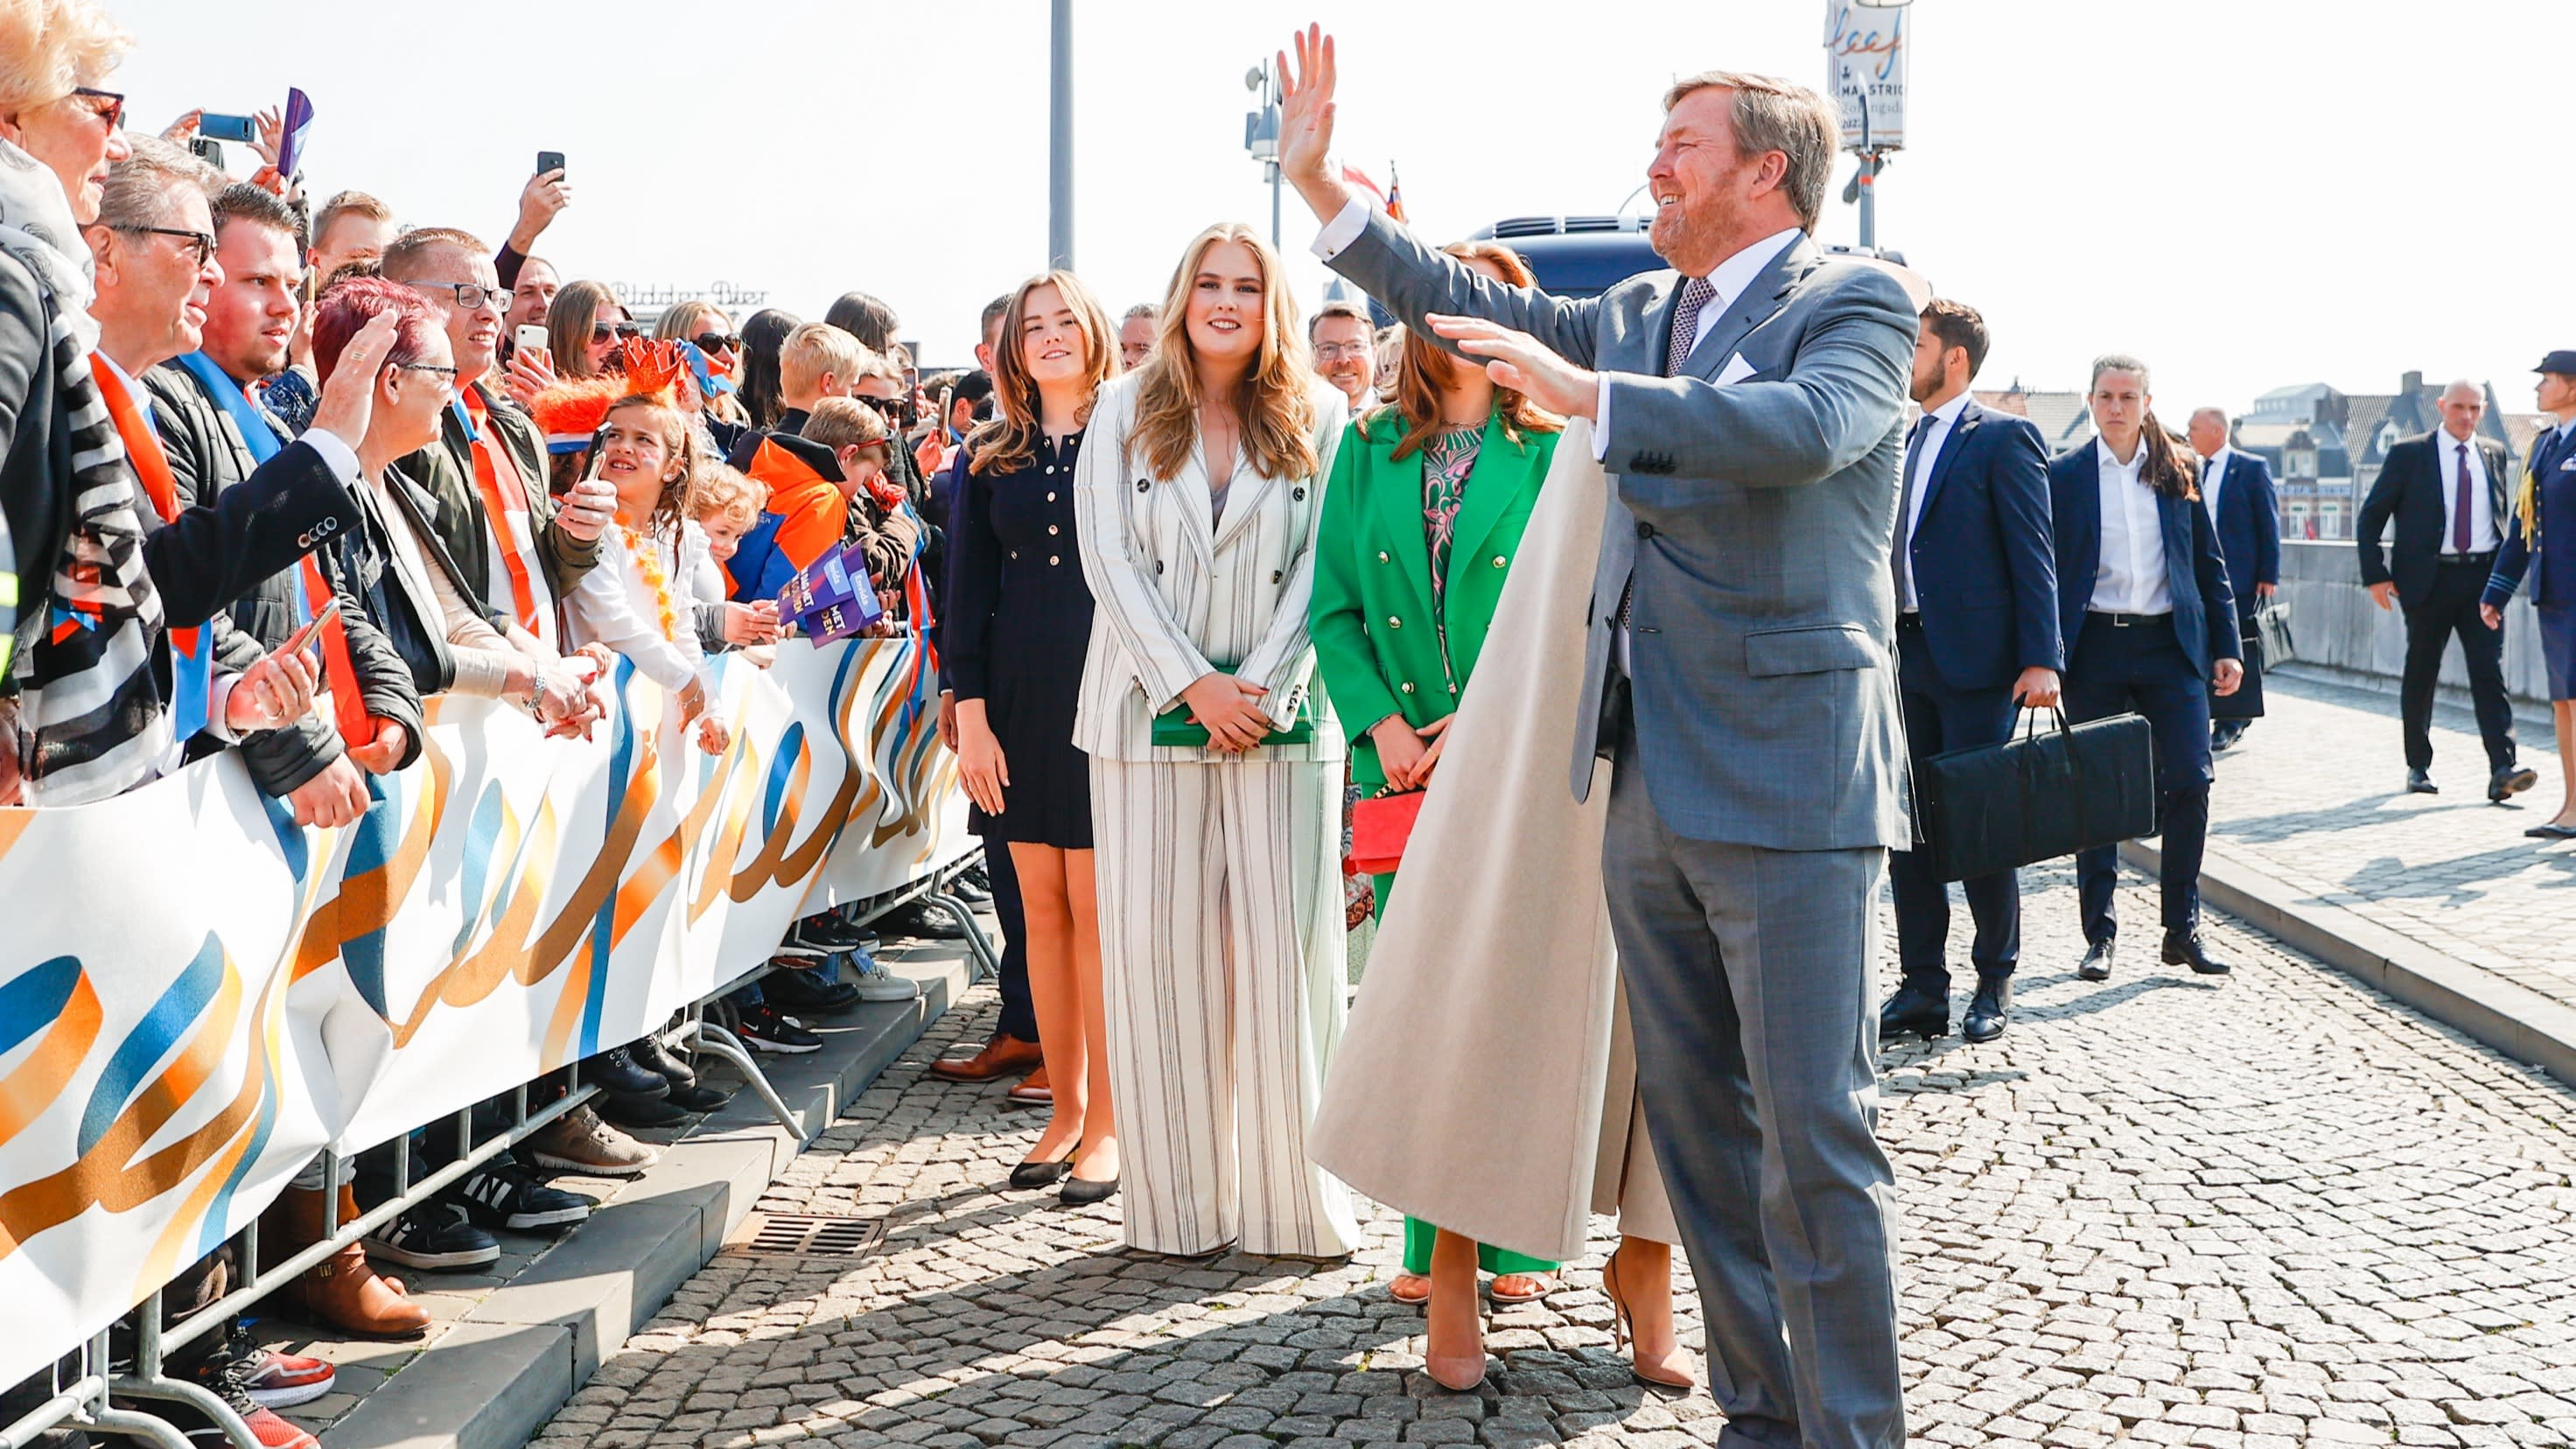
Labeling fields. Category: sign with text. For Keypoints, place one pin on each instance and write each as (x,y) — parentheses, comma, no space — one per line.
(1865,49)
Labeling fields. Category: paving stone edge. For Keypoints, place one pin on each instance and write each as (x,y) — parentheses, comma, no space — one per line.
(2513,1019)
(496,1376)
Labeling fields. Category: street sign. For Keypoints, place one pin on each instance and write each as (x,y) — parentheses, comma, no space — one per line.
(1865,70)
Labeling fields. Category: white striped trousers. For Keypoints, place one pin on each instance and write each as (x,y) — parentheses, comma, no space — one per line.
(1221,939)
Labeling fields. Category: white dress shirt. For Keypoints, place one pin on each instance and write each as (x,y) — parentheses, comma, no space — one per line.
(2447,451)
(1936,431)
(2213,472)
(2130,577)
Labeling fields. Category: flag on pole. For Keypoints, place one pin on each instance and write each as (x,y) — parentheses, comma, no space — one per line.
(1394,193)
(299,119)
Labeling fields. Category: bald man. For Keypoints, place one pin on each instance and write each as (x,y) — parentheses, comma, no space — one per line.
(2445,491)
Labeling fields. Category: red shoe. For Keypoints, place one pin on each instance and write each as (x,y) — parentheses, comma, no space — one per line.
(275,1433)
(283,1380)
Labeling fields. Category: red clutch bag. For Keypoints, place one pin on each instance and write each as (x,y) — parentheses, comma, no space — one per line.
(1380,825)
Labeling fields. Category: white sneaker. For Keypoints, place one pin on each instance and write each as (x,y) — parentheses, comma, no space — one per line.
(876,983)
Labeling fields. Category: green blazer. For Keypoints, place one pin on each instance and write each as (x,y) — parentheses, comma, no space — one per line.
(1376,639)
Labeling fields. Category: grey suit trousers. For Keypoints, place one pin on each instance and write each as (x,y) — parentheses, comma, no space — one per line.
(1748,986)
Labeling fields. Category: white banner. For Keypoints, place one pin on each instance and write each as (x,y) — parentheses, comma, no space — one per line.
(1865,48)
(195,995)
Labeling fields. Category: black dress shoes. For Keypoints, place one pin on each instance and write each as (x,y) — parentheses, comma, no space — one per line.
(616,1070)
(1989,1010)
(2096,965)
(2509,781)
(2420,782)
(2184,948)
(1915,1010)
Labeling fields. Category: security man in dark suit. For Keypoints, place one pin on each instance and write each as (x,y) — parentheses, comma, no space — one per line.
(2446,490)
(1976,632)
(2150,627)
(2236,488)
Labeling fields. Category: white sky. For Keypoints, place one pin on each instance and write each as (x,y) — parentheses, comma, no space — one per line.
(2247,193)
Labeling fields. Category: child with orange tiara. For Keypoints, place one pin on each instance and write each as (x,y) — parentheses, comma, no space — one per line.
(641,598)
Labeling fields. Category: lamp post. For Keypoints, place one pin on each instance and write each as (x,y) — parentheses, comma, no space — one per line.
(1865,53)
(1261,134)
(1060,136)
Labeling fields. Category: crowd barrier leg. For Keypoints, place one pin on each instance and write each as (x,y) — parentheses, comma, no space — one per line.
(80,1402)
(149,1382)
(988,964)
(156,1432)
(706,1036)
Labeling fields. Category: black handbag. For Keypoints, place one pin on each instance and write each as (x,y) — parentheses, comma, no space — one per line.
(2046,794)
(2272,625)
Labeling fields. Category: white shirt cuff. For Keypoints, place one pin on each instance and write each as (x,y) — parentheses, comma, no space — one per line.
(337,456)
(1601,422)
(1343,229)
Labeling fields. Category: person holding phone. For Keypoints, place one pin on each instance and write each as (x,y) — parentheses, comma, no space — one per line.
(1215,764)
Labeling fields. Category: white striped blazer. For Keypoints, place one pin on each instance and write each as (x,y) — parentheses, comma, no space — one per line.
(1176,594)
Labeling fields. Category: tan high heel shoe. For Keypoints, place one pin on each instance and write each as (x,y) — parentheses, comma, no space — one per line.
(1622,1334)
(1458,1373)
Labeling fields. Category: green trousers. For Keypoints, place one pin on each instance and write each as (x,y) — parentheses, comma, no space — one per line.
(1418,1235)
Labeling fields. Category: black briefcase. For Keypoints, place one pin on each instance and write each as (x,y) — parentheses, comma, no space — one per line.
(2272,625)
(2247,701)
(2046,794)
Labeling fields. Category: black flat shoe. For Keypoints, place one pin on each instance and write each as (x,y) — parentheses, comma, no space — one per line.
(1989,1011)
(2096,965)
(1915,1010)
(2552,832)
(2184,948)
(1036,1174)
(2420,782)
(1082,1191)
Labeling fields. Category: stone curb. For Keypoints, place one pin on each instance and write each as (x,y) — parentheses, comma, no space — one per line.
(2513,1019)
(500,1373)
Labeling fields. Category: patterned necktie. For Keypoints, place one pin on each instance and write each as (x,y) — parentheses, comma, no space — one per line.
(1905,510)
(1695,296)
(2460,504)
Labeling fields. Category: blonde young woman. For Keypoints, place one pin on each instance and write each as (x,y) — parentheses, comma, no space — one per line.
(1018,619)
(1198,491)
(703,325)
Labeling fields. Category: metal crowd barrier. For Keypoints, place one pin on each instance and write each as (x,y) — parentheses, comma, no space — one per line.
(84,1402)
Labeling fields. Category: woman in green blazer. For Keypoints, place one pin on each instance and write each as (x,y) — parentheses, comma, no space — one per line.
(1422,517)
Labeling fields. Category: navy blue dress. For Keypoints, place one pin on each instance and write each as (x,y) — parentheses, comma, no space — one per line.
(1017,625)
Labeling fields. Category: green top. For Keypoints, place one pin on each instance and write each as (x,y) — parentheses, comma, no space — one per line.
(1380,619)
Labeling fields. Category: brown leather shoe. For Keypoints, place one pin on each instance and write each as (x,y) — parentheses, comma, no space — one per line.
(1001,1057)
(342,1290)
(1032,1091)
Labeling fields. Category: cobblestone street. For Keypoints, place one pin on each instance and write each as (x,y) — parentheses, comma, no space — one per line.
(2271,1211)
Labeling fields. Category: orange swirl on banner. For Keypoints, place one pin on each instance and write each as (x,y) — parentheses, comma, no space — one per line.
(366,903)
(41,1078)
(162,1262)
(13,822)
(774,863)
(728,843)
(106,1176)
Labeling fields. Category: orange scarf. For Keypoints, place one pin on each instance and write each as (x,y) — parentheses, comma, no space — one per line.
(505,498)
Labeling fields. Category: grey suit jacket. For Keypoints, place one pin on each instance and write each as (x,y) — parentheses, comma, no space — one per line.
(1754,521)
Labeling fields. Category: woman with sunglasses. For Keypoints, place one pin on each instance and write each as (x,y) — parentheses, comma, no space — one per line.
(703,325)
(583,328)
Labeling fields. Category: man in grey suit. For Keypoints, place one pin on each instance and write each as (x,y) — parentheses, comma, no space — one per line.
(1741,675)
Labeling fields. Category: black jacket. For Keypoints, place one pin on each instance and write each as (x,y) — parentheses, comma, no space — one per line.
(2411,489)
(445,471)
(207,456)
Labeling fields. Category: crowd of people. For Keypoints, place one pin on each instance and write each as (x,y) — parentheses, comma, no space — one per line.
(1199,578)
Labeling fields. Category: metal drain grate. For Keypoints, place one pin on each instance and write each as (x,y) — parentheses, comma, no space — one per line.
(805,1235)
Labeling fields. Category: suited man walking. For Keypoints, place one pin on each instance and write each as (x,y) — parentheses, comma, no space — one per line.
(2150,627)
(1976,634)
(2446,493)
(1748,404)
(2237,490)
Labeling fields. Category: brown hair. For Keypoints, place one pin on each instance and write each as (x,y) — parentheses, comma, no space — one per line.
(1770,114)
(727,493)
(1958,325)
(1423,368)
(405,254)
(1010,440)
(841,422)
(2164,469)
(348,203)
(1273,403)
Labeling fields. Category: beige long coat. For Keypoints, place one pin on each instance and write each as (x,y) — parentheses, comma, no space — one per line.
(1485,1081)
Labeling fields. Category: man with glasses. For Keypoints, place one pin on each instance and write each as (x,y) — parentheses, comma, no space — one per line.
(487,471)
(1346,352)
(206,409)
